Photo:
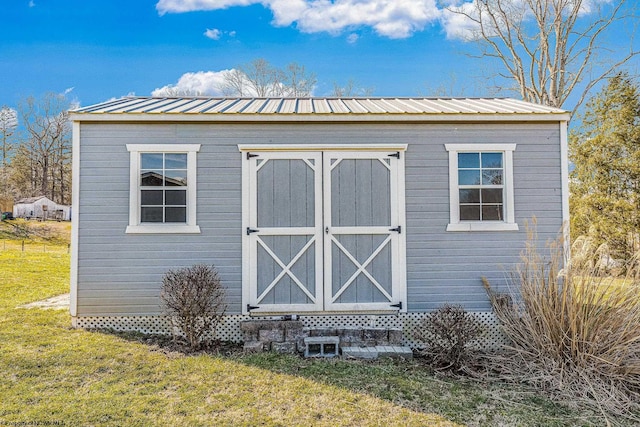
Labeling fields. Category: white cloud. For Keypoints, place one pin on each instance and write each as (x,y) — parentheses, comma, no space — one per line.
(390,18)
(32,3)
(213,33)
(198,83)
(352,38)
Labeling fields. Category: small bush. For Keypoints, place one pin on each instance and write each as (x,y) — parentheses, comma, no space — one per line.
(194,299)
(574,331)
(448,333)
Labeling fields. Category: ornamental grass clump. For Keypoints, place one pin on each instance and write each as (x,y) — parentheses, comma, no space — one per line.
(448,334)
(194,299)
(574,331)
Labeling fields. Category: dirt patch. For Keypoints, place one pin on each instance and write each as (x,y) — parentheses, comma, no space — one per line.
(59,302)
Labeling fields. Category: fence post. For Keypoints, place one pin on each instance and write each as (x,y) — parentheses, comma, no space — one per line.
(23,246)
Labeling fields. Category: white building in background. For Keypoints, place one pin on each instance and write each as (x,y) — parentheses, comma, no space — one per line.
(41,207)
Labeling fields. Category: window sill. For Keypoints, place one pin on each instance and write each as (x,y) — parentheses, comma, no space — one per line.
(483,226)
(163,229)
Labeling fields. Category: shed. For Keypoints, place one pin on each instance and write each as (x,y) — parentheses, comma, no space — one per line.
(41,207)
(344,212)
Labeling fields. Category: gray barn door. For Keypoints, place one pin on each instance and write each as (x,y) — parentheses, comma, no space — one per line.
(286,233)
(325,231)
(362,231)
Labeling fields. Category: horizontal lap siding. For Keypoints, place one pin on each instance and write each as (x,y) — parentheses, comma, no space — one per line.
(120,274)
(447,267)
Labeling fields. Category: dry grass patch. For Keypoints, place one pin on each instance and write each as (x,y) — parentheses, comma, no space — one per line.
(575,334)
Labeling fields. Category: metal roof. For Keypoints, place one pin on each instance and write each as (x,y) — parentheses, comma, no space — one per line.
(314,109)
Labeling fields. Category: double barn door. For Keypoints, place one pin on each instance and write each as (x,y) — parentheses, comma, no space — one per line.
(324,231)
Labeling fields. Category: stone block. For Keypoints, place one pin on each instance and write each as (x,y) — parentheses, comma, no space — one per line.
(284,347)
(291,324)
(323,332)
(295,333)
(253,347)
(379,335)
(355,333)
(395,336)
(271,335)
(360,352)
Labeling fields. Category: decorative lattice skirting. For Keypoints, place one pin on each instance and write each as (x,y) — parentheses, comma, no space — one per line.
(229,328)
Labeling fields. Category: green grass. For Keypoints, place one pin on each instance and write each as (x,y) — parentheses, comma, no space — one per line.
(51,373)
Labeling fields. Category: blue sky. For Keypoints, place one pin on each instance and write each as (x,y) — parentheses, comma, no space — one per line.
(100,50)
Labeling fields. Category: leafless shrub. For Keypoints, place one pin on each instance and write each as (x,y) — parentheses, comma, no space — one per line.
(575,332)
(448,334)
(194,299)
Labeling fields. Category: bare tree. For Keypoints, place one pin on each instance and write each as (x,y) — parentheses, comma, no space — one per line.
(47,145)
(548,48)
(350,89)
(260,78)
(235,83)
(8,124)
(296,82)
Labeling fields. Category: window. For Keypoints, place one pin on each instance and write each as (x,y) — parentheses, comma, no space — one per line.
(162,190)
(481,187)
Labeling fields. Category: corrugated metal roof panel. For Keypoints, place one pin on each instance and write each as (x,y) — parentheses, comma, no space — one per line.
(329,108)
(320,106)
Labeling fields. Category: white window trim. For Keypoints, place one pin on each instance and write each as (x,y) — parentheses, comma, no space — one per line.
(455,224)
(135,227)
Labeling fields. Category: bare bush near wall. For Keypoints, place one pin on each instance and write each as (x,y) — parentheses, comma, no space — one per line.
(448,334)
(575,333)
(194,299)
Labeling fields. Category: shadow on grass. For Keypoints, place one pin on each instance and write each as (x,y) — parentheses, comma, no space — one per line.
(409,384)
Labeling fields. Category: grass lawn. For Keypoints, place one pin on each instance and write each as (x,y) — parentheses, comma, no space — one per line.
(51,374)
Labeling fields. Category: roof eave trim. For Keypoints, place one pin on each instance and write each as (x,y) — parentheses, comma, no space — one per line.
(315,118)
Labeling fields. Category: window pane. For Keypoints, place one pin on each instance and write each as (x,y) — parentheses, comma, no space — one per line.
(176,178)
(492,213)
(492,177)
(176,197)
(151,161)
(468,160)
(176,215)
(492,195)
(469,177)
(175,161)
(470,196)
(151,178)
(470,212)
(151,214)
(151,197)
(491,160)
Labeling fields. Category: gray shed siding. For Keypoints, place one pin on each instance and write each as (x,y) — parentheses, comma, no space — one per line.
(120,274)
